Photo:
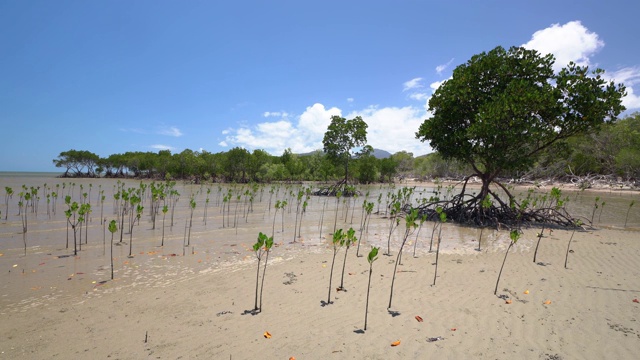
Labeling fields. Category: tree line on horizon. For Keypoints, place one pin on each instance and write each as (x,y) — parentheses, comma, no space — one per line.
(236,165)
(615,150)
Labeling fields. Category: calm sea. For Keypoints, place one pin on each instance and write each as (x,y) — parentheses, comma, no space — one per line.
(30,174)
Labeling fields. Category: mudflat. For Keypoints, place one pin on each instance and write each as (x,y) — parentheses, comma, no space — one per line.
(195,301)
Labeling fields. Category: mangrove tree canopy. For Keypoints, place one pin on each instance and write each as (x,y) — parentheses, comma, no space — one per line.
(500,110)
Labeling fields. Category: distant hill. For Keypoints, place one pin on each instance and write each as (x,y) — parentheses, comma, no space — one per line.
(381,154)
(377,153)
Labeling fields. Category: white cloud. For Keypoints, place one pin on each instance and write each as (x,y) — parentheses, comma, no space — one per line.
(631,101)
(436,84)
(629,76)
(170,131)
(162,147)
(569,42)
(275,114)
(350,100)
(412,84)
(574,42)
(223,143)
(392,129)
(274,137)
(419,96)
(443,67)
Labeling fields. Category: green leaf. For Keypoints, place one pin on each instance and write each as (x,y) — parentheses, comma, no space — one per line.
(373,255)
(514,235)
(113,227)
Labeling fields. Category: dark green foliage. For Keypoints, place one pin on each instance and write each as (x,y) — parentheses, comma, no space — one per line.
(501,109)
(341,137)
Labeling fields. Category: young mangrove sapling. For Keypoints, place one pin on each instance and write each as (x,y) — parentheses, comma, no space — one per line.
(113,227)
(578,223)
(514,235)
(443,219)
(410,222)
(373,256)
(268,244)
(337,242)
(349,240)
(628,210)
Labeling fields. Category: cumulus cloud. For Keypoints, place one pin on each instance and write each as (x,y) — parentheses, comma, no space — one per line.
(569,42)
(170,131)
(574,42)
(629,76)
(392,129)
(412,84)
(443,67)
(302,136)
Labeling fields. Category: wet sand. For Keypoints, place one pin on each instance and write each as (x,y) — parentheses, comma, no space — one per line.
(191,302)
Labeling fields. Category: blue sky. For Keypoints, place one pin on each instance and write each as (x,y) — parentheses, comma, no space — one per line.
(118,76)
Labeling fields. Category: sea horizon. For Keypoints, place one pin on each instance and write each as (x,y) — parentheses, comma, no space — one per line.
(31,174)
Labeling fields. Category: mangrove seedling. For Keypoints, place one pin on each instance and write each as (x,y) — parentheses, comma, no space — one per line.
(540,235)
(373,256)
(268,244)
(423,218)
(322,217)
(368,208)
(337,242)
(8,194)
(485,206)
(135,201)
(335,222)
(410,222)
(514,235)
(72,211)
(23,217)
(394,222)
(349,240)
(595,207)
(260,248)
(165,209)
(577,224)
(628,210)
(192,206)
(113,227)
(443,219)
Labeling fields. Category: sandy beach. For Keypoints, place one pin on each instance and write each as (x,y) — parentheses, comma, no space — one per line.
(177,302)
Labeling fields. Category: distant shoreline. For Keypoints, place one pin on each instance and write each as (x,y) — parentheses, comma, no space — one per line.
(53,174)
